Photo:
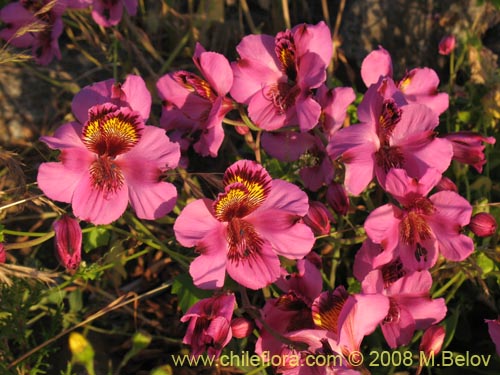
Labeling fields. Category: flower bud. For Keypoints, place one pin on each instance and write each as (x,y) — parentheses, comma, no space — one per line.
(337,198)
(447,44)
(3,253)
(494,331)
(446,184)
(318,218)
(432,340)
(241,327)
(68,238)
(483,224)
(468,148)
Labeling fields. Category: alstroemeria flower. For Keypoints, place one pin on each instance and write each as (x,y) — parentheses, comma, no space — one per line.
(422,226)
(193,104)
(245,228)
(111,159)
(109,13)
(209,325)
(391,134)
(411,307)
(419,85)
(44,43)
(334,103)
(275,75)
(342,321)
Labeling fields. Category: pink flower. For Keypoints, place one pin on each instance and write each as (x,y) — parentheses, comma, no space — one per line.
(411,307)
(245,228)
(422,226)
(109,13)
(108,160)
(468,148)
(483,224)
(419,85)
(68,238)
(390,135)
(447,44)
(44,43)
(494,331)
(275,75)
(198,105)
(209,326)
(334,103)
(342,321)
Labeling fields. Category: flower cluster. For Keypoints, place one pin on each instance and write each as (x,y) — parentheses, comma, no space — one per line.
(259,231)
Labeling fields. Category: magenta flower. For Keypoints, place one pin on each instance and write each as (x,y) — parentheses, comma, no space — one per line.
(419,85)
(494,331)
(423,226)
(411,307)
(44,43)
(209,326)
(109,13)
(68,239)
(447,44)
(198,105)
(337,198)
(275,75)
(468,148)
(390,135)
(245,228)
(108,160)
(3,253)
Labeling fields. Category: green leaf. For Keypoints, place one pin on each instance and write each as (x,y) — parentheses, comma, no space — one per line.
(485,263)
(186,291)
(96,237)
(163,370)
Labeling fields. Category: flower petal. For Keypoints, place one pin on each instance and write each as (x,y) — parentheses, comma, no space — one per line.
(378,63)
(195,222)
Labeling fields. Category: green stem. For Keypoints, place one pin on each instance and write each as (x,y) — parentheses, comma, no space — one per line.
(31,243)
(446,286)
(175,52)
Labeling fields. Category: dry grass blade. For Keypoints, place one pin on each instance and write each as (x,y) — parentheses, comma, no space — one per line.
(8,57)
(46,8)
(10,271)
(35,27)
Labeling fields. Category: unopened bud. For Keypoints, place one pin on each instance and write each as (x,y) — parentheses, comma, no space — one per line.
(337,198)
(241,327)
(68,237)
(483,224)
(318,218)
(446,184)
(447,44)
(3,253)
(432,340)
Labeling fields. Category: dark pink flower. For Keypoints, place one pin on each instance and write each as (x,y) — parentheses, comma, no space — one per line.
(494,331)
(108,160)
(422,226)
(275,75)
(446,184)
(68,239)
(447,44)
(109,13)
(44,43)
(419,85)
(411,307)
(337,198)
(468,148)
(245,228)
(196,106)
(209,326)
(390,135)
(483,224)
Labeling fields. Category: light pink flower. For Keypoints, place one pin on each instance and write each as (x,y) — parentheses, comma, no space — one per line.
(422,226)
(44,44)
(419,85)
(245,228)
(468,148)
(192,104)
(209,326)
(411,307)
(68,239)
(275,75)
(494,331)
(108,160)
(447,44)
(390,135)
(109,13)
